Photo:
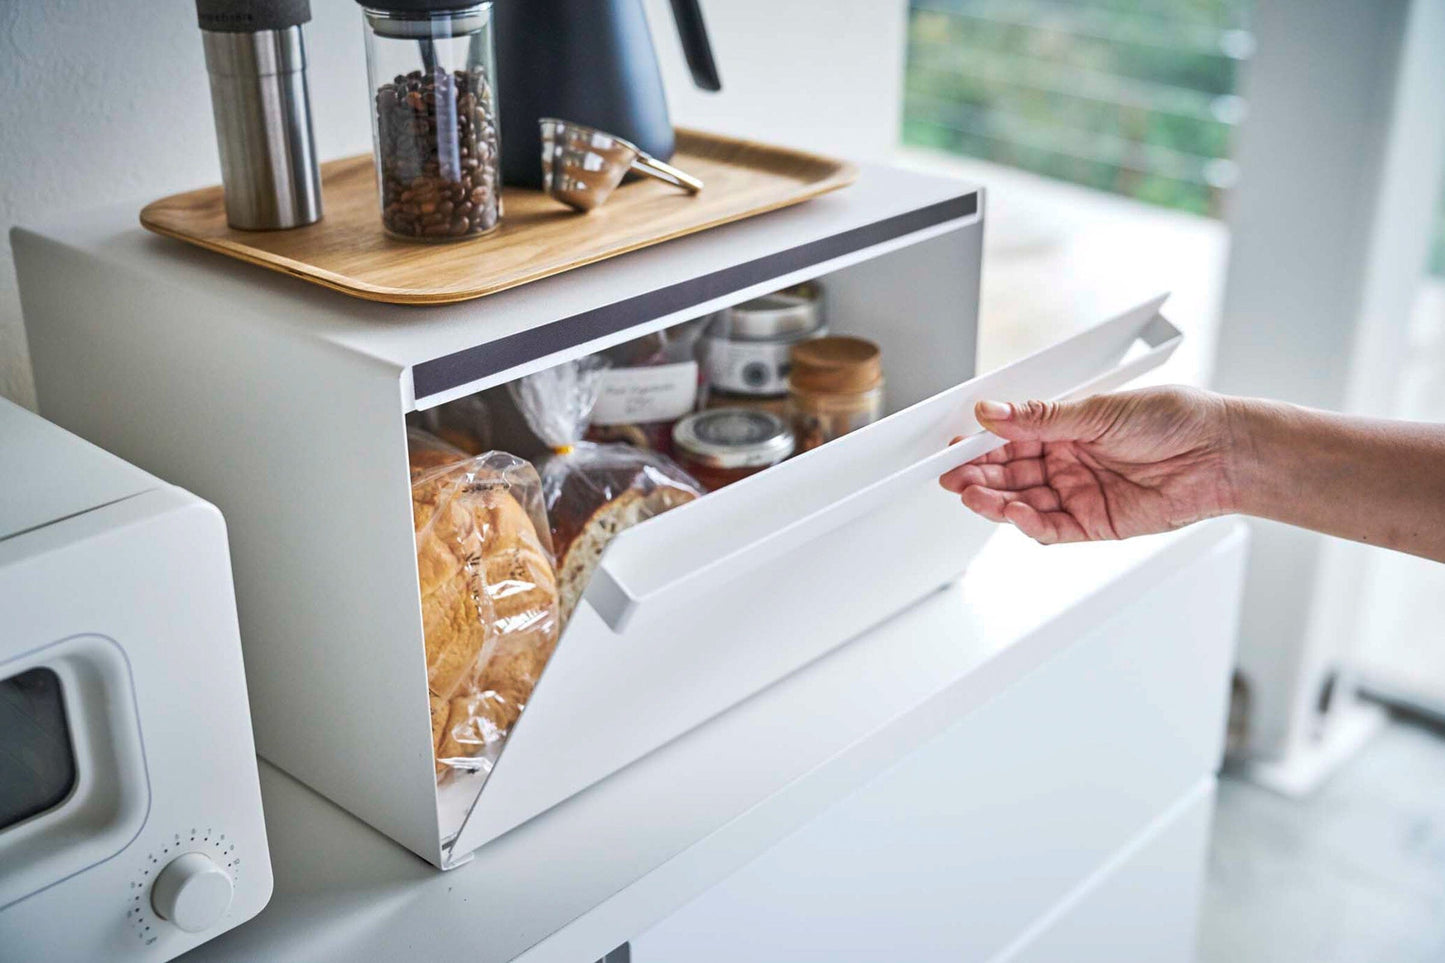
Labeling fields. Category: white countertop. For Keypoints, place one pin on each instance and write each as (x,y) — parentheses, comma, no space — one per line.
(597,870)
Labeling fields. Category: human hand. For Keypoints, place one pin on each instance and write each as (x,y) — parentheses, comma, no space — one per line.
(1110,466)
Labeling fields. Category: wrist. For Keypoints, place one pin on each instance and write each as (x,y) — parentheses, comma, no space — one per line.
(1251,445)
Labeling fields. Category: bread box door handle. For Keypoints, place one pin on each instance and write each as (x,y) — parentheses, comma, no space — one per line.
(617,598)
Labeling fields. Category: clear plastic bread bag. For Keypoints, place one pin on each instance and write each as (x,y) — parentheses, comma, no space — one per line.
(488,595)
(591,491)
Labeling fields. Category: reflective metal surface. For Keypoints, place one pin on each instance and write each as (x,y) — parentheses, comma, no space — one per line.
(581,166)
(263,128)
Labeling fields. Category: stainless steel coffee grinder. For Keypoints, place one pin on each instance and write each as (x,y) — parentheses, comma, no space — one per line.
(256,58)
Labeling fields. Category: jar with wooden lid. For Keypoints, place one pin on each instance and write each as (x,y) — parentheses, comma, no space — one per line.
(835,385)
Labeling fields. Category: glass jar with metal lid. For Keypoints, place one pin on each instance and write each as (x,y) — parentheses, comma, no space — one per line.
(723,445)
(434,117)
(744,350)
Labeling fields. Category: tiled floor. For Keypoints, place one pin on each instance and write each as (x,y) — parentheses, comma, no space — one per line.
(1355,874)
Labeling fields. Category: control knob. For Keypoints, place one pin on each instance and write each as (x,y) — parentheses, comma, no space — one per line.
(192,892)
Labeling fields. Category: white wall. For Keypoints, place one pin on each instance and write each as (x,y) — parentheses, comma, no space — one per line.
(108,101)
(821,74)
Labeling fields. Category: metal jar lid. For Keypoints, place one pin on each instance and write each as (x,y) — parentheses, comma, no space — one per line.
(781,316)
(426,19)
(733,438)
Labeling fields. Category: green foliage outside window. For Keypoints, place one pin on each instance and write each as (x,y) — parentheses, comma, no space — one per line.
(1138,98)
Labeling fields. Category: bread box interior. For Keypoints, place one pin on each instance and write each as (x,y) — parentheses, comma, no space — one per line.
(886,300)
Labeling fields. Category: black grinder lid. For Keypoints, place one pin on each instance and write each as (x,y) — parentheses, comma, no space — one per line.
(250,16)
(405,7)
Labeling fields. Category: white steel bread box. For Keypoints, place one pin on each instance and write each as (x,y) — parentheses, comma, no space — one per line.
(130,811)
(286,405)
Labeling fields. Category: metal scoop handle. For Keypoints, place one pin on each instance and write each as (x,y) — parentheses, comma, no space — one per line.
(652,167)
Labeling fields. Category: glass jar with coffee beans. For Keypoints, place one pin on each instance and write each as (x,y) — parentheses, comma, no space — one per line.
(434,118)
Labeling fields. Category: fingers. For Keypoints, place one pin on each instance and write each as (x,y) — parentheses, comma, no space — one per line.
(993,504)
(986,502)
(1008,452)
(1036,421)
(1046,528)
(1036,512)
(996,471)
(1014,449)
(1011,476)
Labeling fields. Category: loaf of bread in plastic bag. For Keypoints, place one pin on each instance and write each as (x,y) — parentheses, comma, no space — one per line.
(488,593)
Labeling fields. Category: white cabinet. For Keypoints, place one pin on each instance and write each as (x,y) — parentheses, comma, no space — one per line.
(962,850)
(1059,734)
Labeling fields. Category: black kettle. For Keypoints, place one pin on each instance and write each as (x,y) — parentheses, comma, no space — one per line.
(589,61)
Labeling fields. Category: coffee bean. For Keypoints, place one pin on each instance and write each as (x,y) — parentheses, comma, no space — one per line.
(438,148)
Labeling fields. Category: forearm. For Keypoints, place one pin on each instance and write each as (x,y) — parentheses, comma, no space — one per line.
(1369,480)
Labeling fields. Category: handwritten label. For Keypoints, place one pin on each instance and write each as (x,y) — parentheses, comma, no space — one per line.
(631,396)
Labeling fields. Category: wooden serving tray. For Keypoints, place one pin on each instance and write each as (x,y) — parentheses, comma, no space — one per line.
(347,249)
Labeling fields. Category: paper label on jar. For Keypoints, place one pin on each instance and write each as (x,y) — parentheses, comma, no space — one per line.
(663,392)
(748,367)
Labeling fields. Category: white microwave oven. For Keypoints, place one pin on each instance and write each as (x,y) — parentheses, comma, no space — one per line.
(130,808)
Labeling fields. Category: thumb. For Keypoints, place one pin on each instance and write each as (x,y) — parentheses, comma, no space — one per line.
(1040,420)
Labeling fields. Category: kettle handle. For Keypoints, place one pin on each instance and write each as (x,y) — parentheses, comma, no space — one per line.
(695,44)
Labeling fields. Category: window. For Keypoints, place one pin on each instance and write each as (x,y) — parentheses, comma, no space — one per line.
(1137,98)
(37,764)
(1437,249)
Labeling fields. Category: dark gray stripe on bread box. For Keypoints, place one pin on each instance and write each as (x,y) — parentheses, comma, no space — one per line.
(470,364)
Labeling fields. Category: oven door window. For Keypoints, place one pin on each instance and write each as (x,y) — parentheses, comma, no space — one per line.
(37,761)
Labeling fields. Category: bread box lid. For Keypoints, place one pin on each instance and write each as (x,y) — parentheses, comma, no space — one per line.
(48,474)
